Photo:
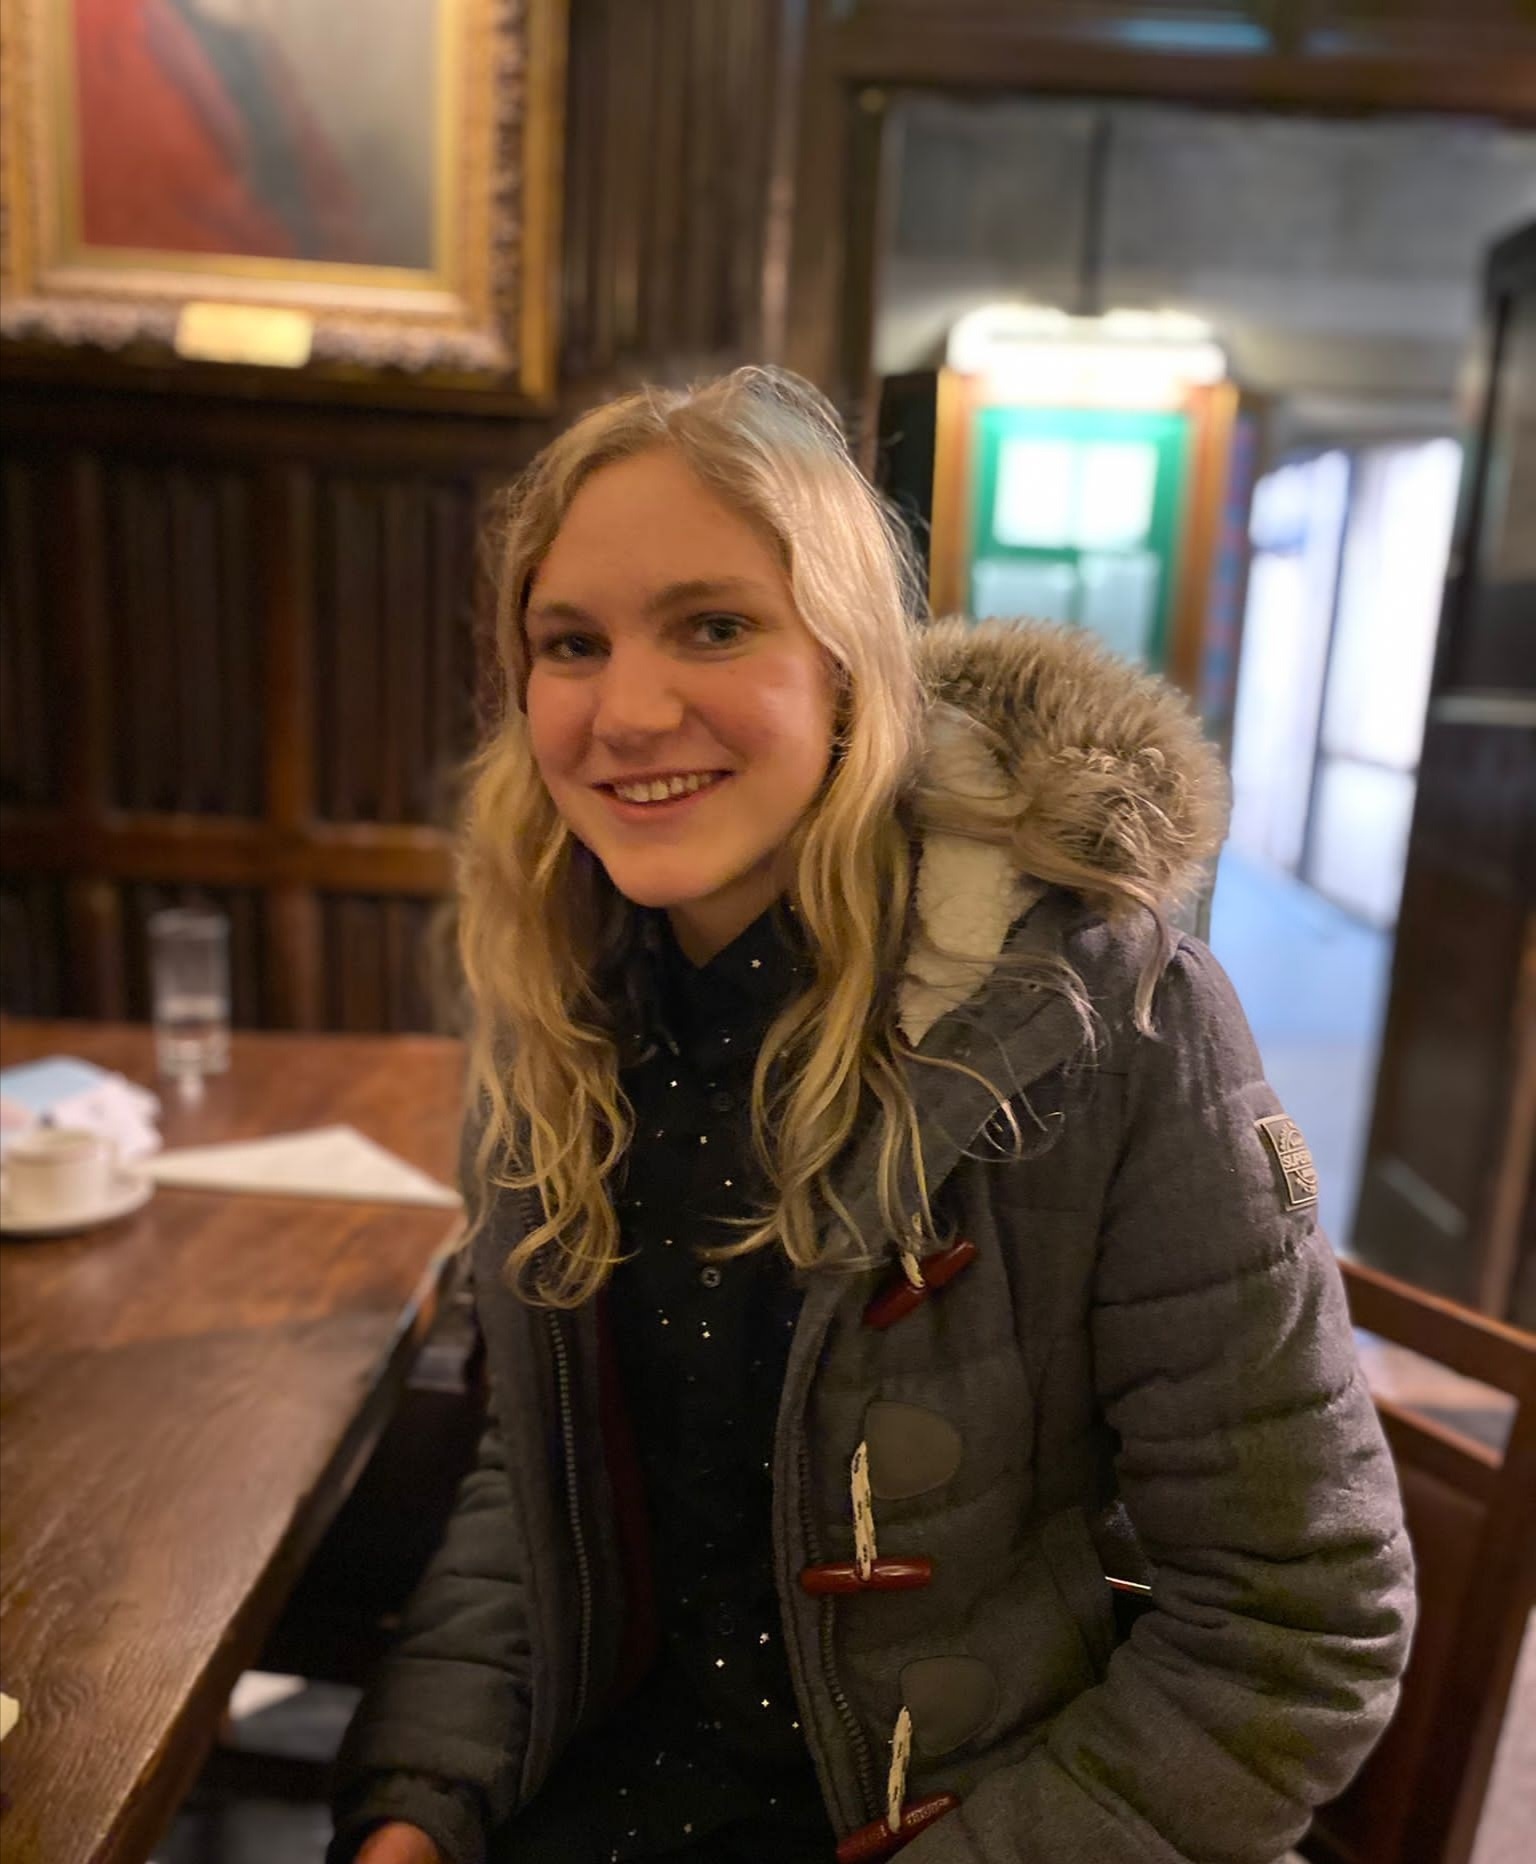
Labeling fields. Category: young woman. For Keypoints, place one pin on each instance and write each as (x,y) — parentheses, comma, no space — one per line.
(884,1235)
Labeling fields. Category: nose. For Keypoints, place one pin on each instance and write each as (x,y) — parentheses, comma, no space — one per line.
(637,696)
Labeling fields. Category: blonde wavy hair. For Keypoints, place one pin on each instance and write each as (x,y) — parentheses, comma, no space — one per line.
(548,944)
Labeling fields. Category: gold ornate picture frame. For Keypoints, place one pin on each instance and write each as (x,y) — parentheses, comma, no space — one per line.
(222,179)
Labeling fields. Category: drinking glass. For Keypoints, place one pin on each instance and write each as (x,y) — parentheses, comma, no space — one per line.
(189,972)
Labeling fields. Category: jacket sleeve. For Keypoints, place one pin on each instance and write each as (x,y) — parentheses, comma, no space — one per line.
(436,1739)
(1254,1469)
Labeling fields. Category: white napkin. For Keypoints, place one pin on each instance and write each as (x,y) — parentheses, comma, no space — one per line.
(331,1161)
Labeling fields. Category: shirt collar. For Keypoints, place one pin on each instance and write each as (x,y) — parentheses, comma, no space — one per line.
(738,992)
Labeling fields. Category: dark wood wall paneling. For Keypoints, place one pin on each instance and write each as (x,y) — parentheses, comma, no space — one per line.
(378,964)
(392,644)
(179,615)
(241,632)
(683,122)
(32,941)
(238,666)
(677,177)
(29,662)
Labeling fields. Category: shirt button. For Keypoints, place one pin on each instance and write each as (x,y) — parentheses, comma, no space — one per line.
(710,1276)
(722,1102)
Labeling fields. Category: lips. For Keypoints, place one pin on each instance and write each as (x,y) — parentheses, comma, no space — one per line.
(664,808)
(675,786)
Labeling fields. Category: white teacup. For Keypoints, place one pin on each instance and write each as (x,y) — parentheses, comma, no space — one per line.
(58,1173)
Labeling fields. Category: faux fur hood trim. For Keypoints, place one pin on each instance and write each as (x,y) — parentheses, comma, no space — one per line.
(1101,770)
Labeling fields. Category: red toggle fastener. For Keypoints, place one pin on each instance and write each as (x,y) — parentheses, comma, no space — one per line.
(839,1576)
(871,1842)
(898,1297)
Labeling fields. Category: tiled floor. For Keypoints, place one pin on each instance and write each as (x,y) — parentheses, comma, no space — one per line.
(1509,1812)
(1313,982)
(272,1715)
(256,1831)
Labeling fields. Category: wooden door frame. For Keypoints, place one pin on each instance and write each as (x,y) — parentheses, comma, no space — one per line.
(1498,1220)
(855,56)
(1212,413)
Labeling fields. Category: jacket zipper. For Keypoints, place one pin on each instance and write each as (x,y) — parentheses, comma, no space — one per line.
(573,1507)
(533,1215)
(857,1740)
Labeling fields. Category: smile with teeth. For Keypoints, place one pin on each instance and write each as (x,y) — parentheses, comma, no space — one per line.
(663,789)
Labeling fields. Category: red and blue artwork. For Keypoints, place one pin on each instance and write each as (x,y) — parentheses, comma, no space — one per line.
(273,129)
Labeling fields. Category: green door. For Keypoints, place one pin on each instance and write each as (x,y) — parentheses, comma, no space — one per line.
(1076,519)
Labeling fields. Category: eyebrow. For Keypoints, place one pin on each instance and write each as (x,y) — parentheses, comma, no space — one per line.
(674,595)
(703,589)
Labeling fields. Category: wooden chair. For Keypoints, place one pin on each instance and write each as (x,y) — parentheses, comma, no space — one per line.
(1472,1518)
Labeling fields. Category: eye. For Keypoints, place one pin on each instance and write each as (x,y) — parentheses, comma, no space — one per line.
(721,630)
(566,647)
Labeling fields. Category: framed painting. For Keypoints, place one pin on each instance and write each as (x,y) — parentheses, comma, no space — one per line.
(343,188)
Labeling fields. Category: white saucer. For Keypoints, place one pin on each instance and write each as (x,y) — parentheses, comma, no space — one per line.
(132,1192)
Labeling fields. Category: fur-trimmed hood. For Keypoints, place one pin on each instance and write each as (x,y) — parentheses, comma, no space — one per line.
(1104,774)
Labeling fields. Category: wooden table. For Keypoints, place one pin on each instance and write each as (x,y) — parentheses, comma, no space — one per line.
(186,1398)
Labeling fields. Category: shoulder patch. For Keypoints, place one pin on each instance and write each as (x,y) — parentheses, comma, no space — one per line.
(1291,1153)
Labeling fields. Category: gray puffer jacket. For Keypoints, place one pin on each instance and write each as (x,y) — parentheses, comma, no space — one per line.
(1144,1371)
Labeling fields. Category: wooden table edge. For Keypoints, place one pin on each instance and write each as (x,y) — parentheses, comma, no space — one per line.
(145,1815)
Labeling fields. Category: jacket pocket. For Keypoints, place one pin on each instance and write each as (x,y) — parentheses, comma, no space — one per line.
(1078,1573)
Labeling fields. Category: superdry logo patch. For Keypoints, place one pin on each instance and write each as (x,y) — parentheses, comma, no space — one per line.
(1292,1156)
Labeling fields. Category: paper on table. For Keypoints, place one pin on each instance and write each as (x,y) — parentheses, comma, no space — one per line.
(331,1161)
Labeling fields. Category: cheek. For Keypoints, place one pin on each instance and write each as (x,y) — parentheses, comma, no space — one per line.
(785,714)
(556,726)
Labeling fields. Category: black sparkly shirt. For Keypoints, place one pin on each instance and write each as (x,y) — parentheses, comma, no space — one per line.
(702,1349)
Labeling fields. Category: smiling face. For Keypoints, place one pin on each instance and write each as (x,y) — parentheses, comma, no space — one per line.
(681,712)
